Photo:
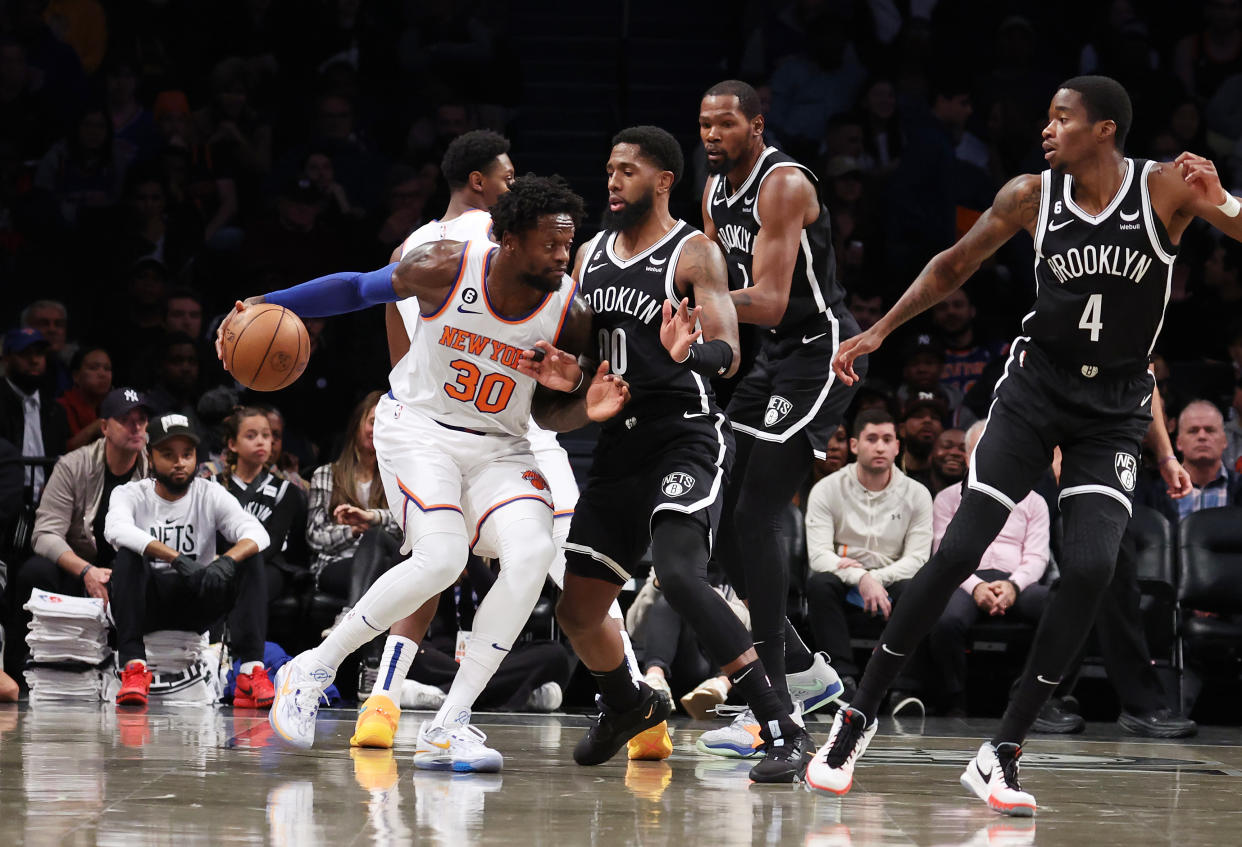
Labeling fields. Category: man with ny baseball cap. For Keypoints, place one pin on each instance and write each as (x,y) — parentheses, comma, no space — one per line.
(70,553)
(30,418)
(167,573)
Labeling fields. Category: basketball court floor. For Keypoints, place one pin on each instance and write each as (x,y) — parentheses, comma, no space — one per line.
(90,775)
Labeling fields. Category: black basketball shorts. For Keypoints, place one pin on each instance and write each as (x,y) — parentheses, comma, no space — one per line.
(1099,424)
(676,462)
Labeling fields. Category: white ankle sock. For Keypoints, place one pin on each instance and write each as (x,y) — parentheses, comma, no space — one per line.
(399,654)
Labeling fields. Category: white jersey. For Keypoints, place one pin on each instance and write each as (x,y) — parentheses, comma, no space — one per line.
(472,225)
(461,370)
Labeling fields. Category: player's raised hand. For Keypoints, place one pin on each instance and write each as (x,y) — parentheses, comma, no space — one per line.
(1176,478)
(551,367)
(850,350)
(1200,174)
(607,394)
(679,328)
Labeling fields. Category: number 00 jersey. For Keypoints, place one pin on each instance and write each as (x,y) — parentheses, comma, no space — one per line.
(1103,280)
(813,290)
(461,370)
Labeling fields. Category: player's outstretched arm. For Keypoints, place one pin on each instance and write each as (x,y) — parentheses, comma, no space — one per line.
(701,270)
(1016,207)
(1198,192)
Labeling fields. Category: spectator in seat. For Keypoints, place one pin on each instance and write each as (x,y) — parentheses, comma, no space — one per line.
(246,471)
(1006,583)
(183,313)
(51,318)
(965,355)
(92,380)
(867,307)
(1233,432)
(71,555)
(176,377)
(286,462)
(352,534)
(167,574)
(1201,441)
(29,417)
(868,530)
(922,424)
(923,360)
(947,462)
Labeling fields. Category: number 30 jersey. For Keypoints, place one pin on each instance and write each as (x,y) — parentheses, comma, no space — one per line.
(627,296)
(1102,280)
(461,370)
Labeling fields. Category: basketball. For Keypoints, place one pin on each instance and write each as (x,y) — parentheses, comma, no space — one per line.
(266,347)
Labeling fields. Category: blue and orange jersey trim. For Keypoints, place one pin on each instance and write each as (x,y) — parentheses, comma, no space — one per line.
(478,528)
(461,272)
(410,497)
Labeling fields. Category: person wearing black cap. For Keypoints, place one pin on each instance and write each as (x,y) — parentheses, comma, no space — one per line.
(29,417)
(922,422)
(167,575)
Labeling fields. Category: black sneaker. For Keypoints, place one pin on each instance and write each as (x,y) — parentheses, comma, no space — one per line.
(1055,718)
(1162,723)
(786,760)
(612,730)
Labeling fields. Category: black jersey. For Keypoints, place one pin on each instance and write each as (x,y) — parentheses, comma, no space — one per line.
(627,296)
(814,289)
(1102,280)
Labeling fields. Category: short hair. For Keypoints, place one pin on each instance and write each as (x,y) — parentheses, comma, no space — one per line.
(871,417)
(469,152)
(1199,402)
(28,312)
(182,292)
(1106,100)
(976,427)
(518,210)
(171,340)
(79,356)
(656,145)
(747,97)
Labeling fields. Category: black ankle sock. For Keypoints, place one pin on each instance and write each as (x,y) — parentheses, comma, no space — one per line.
(762,698)
(618,688)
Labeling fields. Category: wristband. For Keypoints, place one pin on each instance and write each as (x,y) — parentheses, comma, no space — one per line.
(1231,206)
(1166,459)
(710,359)
(581,379)
(82,573)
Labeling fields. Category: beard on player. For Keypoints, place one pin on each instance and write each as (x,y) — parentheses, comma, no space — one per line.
(547,280)
(722,165)
(630,213)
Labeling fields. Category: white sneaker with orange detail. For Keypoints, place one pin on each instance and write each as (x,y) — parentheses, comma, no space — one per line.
(992,776)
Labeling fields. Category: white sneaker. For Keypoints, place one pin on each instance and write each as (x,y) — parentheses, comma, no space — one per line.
(992,776)
(816,686)
(708,695)
(546,698)
(738,740)
(416,695)
(455,747)
(832,769)
(299,688)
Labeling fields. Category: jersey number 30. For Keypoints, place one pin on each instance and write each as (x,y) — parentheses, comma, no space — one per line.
(490,394)
(1090,320)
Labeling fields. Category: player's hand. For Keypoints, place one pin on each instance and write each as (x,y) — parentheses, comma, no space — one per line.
(875,598)
(550,367)
(607,394)
(1200,174)
(1176,478)
(984,597)
(359,520)
(96,580)
(238,307)
(678,329)
(851,349)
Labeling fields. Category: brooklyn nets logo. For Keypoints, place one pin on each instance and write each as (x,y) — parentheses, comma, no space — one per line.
(778,408)
(677,484)
(1126,470)
(1089,371)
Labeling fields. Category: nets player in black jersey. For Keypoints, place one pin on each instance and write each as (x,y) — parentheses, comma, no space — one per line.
(1106,229)
(762,209)
(660,469)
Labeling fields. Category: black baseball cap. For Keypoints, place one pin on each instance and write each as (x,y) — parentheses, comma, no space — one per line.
(171,425)
(923,343)
(120,401)
(935,399)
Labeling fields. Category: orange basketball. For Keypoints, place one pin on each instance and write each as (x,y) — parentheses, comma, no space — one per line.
(266,347)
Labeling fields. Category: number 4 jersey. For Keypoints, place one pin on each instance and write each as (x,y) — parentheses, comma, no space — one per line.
(461,370)
(1103,280)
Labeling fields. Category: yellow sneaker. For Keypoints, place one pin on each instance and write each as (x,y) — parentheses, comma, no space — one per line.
(377,723)
(651,744)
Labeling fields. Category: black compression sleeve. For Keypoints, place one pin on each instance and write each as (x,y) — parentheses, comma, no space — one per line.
(712,358)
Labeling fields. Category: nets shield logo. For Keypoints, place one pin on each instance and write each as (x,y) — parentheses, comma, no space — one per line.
(1127,470)
(778,408)
(676,484)
(536,479)
(1089,371)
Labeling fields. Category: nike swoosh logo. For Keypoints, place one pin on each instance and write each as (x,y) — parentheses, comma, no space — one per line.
(692,415)
(658,261)
(743,676)
(1145,399)
(169,520)
(749,200)
(718,200)
(595,267)
(468,311)
(1133,216)
(1052,227)
(884,647)
(807,339)
(650,709)
(1040,678)
(987,776)
(501,649)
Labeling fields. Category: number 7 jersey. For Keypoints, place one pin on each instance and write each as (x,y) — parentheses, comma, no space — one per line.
(461,370)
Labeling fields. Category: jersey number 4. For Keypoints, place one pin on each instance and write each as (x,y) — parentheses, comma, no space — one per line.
(490,394)
(1090,320)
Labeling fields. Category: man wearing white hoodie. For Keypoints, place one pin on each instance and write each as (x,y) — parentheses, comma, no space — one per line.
(868,531)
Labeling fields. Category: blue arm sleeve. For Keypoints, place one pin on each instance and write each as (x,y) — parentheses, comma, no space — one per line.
(338,293)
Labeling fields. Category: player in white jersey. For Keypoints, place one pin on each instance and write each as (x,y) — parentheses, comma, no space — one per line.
(452,449)
(478,170)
